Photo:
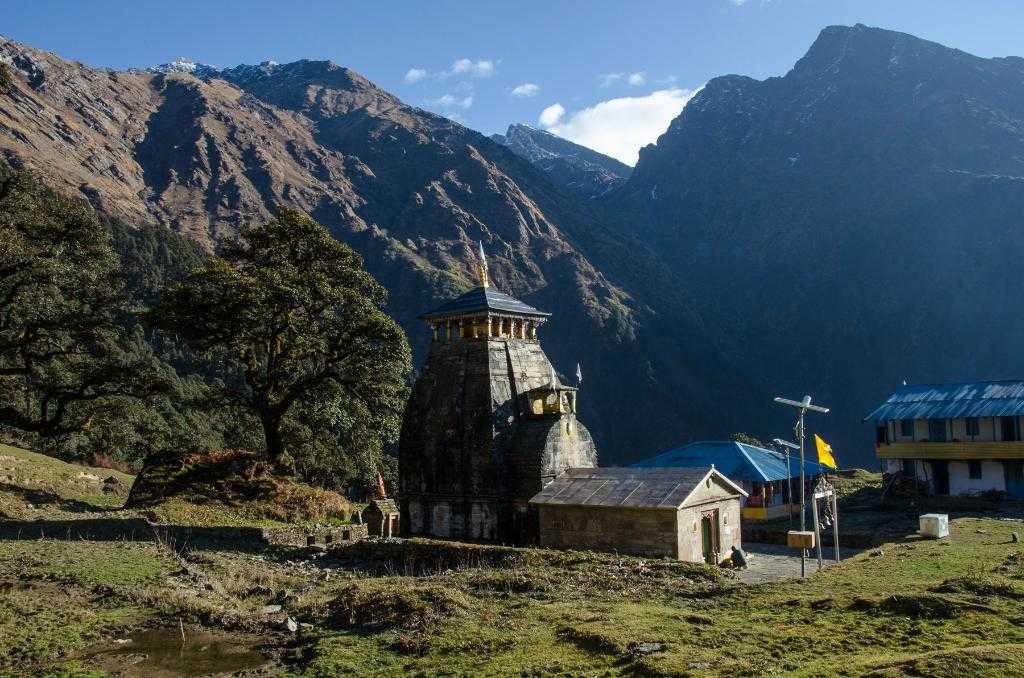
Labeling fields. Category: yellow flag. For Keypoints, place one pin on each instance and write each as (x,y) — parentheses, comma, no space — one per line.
(825,457)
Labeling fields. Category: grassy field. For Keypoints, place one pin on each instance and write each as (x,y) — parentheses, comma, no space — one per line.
(68,606)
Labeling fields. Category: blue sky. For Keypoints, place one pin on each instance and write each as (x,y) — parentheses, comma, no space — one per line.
(609,75)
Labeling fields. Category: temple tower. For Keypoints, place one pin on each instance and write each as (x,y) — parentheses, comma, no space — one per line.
(488,423)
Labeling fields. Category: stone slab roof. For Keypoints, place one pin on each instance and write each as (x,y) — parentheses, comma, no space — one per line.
(484,299)
(656,488)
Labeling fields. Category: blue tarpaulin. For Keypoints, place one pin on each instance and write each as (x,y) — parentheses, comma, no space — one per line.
(737,461)
(952,401)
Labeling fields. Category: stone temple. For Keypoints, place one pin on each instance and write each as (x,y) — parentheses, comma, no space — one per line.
(488,423)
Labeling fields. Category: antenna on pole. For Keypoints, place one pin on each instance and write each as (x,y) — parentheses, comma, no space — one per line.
(482,266)
(802,407)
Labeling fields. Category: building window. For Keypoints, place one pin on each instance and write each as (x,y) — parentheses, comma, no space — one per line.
(907,428)
(908,467)
(974,470)
(973,427)
(880,435)
(1009,429)
(937,430)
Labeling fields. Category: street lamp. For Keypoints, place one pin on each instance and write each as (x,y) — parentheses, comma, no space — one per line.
(802,406)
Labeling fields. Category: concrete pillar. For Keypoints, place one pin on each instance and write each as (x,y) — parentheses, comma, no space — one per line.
(433,326)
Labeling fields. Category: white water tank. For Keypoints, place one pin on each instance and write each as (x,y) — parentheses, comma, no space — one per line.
(934,525)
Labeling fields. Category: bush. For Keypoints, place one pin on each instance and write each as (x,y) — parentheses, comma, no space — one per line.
(239,479)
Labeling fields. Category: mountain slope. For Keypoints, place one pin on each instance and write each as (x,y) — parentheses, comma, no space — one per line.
(412,191)
(852,224)
(578,168)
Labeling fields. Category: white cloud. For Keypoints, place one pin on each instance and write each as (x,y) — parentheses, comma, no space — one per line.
(551,115)
(414,75)
(466,68)
(609,79)
(451,101)
(618,127)
(527,89)
(637,79)
(483,68)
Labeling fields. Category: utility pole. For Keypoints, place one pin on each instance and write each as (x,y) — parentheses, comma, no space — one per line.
(802,406)
(787,446)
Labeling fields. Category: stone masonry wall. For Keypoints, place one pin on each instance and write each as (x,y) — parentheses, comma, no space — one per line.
(644,532)
(461,459)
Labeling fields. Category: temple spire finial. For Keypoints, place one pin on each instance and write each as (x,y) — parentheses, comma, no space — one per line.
(482,267)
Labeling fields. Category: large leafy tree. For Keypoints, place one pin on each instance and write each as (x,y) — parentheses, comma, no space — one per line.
(66,356)
(295,327)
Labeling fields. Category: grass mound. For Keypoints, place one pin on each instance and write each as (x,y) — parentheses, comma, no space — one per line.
(979,586)
(237,479)
(396,605)
(919,606)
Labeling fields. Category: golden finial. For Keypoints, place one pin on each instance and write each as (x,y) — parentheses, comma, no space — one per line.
(482,267)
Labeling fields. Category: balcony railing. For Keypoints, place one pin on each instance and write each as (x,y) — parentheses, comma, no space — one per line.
(957,450)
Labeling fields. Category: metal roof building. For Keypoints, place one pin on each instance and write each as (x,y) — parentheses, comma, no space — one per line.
(960,439)
(952,401)
(738,461)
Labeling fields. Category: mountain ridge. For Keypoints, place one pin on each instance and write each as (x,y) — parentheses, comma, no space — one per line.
(412,191)
(846,223)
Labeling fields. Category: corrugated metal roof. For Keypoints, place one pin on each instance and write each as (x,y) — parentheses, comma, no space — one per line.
(661,488)
(737,461)
(483,299)
(951,401)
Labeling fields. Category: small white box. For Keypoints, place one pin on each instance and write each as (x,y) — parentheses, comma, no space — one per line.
(934,525)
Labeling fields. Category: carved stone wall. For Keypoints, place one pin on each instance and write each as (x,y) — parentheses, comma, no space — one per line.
(467,455)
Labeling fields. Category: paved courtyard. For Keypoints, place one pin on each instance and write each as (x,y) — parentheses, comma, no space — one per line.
(774,562)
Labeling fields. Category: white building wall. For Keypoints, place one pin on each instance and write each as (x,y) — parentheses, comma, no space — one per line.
(992,478)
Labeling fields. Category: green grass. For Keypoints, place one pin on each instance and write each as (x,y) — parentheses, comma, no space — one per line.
(953,607)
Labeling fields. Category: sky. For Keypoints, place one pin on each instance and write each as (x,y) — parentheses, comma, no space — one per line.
(608,75)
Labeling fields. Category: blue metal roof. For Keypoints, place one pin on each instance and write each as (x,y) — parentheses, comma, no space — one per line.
(483,299)
(736,461)
(952,401)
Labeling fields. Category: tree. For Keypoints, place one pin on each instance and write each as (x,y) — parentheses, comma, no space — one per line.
(746,439)
(297,329)
(65,354)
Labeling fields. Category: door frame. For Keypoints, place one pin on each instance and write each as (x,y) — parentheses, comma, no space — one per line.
(711,516)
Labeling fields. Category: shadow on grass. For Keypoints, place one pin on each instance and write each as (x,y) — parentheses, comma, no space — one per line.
(241,539)
(45,498)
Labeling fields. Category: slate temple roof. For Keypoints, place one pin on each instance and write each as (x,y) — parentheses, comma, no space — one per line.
(952,401)
(484,299)
(737,461)
(659,488)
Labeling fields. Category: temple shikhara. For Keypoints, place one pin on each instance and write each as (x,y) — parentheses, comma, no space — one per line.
(488,423)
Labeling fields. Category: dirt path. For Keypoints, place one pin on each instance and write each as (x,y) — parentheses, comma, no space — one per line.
(773,562)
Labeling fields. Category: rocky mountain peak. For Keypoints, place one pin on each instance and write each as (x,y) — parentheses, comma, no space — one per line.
(185,65)
(578,168)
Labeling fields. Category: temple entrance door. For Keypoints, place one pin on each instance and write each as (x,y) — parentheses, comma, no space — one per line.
(709,535)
